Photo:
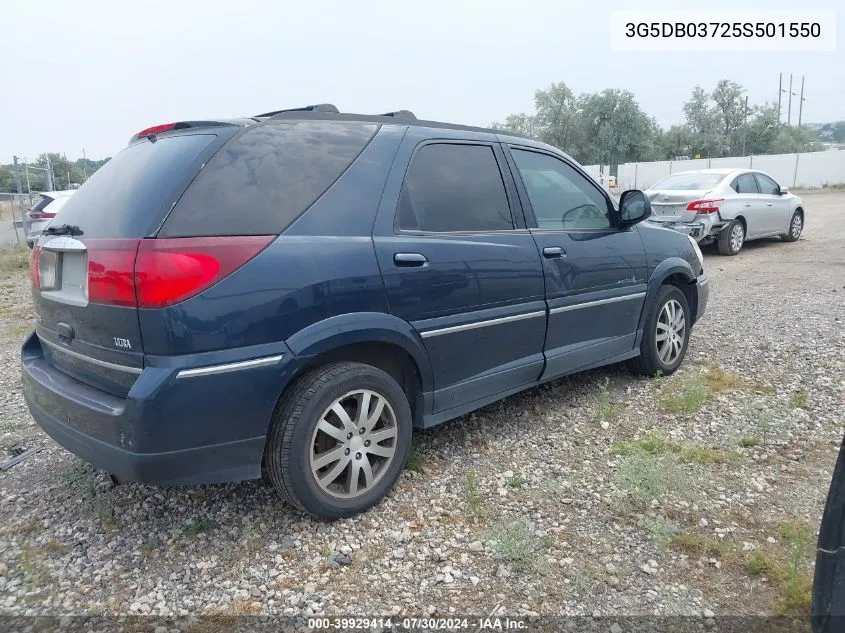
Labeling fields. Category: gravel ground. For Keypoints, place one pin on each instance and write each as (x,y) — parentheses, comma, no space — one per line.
(600,493)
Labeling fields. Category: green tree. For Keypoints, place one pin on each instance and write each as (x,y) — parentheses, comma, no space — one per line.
(762,130)
(791,139)
(675,142)
(615,129)
(730,113)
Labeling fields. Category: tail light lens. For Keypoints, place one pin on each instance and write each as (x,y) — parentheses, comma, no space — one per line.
(34,262)
(160,272)
(705,206)
(171,270)
(40,215)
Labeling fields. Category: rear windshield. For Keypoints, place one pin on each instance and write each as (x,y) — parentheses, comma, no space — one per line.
(688,182)
(130,194)
(265,178)
(43,202)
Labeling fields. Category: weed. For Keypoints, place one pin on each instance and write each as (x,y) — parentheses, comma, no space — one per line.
(54,547)
(646,477)
(547,542)
(687,398)
(749,442)
(475,500)
(515,482)
(21,330)
(757,563)
(658,530)
(513,542)
(197,526)
(705,455)
(150,545)
(653,443)
(798,400)
(606,410)
(717,379)
(698,545)
(30,527)
(414,463)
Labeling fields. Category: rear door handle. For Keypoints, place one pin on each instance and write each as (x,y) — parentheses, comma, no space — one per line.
(768,204)
(747,204)
(550,252)
(408,260)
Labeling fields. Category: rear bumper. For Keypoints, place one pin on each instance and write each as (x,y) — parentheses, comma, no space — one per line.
(181,423)
(697,229)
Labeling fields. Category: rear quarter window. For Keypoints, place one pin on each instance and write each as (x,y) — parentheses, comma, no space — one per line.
(265,178)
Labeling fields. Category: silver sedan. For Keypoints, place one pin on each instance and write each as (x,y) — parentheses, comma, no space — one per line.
(727,206)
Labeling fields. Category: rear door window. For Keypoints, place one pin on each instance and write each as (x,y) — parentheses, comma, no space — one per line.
(452,187)
(265,178)
(746,183)
(129,195)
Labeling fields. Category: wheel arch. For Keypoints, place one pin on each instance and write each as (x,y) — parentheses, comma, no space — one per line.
(676,272)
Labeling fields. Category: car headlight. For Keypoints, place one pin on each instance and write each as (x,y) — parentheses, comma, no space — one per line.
(697,250)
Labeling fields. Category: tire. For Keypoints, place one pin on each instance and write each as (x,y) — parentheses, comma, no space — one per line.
(651,359)
(295,443)
(796,226)
(732,238)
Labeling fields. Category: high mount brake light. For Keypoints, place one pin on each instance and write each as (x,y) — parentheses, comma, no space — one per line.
(156,129)
(705,206)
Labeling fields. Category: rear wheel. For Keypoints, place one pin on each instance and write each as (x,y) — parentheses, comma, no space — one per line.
(732,238)
(666,334)
(339,439)
(796,225)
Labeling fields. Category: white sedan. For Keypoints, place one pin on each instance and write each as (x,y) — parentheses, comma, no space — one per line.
(728,206)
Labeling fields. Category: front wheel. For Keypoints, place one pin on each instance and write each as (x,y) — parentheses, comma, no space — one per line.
(732,238)
(666,334)
(339,439)
(796,225)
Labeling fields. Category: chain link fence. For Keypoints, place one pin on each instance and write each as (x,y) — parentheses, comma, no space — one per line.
(13,206)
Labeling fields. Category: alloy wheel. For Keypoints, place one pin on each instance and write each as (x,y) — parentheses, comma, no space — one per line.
(353,444)
(671,329)
(796,226)
(737,237)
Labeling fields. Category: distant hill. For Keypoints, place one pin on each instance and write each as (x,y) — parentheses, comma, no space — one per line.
(828,132)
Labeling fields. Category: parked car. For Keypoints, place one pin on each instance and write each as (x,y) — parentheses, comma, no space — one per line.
(43,212)
(727,206)
(323,283)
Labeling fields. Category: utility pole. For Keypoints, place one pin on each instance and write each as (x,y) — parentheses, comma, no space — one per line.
(801,102)
(780,92)
(20,195)
(49,175)
(26,171)
(789,109)
(744,123)
(84,165)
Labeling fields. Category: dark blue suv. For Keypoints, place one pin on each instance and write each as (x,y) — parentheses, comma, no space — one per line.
(290,294)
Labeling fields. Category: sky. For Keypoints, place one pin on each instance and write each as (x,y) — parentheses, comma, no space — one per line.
(86,75)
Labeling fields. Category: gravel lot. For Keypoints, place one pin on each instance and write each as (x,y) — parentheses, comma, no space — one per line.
(602,493)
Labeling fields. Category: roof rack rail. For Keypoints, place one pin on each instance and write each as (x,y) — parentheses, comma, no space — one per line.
(320,107)
(404,114)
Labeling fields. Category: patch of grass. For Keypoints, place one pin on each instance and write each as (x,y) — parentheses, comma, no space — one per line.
(691,395)
(645,477)
(653,442)
(516,481)
(718,379)
(475,500)
(13,259)
(197,526)
(757,563)
(414,463)
(150,545)
(30,527)
(658,530)
(513,542)
(749,442)
(54,547)
(701,545)
(21,330)
(798,400)
(606,409)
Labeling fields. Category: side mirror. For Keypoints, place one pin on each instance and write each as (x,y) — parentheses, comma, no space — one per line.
(783,190)
(634,207)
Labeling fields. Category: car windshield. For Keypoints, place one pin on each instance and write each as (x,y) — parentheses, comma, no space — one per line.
(688,182)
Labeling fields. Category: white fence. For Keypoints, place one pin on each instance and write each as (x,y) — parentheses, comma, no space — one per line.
(814,169)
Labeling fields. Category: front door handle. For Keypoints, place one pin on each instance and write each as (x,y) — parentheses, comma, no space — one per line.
(747,204)
(768,204)
(408,260)
(551,252)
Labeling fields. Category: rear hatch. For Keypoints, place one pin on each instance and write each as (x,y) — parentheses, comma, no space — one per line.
(671,197)
(83,267)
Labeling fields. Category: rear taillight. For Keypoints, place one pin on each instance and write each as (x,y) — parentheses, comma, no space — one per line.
(111,271)
(160,272)
(34,260)
(40,215)
(705,206)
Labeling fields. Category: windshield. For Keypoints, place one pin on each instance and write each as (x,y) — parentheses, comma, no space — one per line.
(688,182)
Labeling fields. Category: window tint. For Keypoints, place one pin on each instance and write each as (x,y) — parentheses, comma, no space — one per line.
(129,195)
(41,204)
(767,185)
(745,183)
(264,179)
(452,187)
(561,197)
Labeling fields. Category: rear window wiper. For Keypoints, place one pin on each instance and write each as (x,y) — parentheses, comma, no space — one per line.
(63,229)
